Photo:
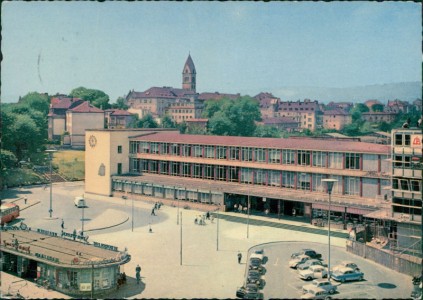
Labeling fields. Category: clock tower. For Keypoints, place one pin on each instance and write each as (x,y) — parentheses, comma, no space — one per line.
(188,75)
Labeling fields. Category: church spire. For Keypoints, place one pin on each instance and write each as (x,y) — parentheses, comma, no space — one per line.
(188,75)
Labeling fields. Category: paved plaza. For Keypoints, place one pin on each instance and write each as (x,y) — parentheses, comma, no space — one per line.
(193,269)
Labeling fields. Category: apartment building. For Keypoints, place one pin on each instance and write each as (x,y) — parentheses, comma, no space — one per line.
(407,166)
(307,113)
(336,119)
(274,175)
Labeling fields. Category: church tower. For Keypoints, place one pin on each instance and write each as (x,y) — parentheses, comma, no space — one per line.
(188,75)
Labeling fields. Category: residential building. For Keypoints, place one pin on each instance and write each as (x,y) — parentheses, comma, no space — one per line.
(183,111)
(336,119)
(118,118)
(288,124)
(307,113)
(398,106)
(407,166)
(269,104)
(377,117)
(80,118)
(273,174)
(57,115)
(346,106)
(217,96)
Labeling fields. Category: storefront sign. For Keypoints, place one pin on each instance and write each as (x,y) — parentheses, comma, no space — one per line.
(46,232)
(47,257)
(105,246)
(72,236)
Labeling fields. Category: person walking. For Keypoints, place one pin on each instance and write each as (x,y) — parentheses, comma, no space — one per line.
(138,273)
(63,224)
(152,212)
(25,199)
(239,257)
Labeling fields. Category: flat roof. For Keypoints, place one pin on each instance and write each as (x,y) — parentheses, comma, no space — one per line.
(278,143)
(60,252)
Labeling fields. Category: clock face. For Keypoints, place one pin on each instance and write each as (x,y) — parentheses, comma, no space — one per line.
(93,141)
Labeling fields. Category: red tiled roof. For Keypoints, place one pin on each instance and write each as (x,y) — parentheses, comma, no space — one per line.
(335,112)
(65,102)
(118,112)
(280,143)
(162,92)
(217,96)
(86,107)
(299,104)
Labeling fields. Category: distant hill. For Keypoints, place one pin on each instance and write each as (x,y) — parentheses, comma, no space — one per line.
(408,91)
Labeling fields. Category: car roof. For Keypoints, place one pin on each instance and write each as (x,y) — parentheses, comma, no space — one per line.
(303,255)
(344,269)
(316,288)
(317,267)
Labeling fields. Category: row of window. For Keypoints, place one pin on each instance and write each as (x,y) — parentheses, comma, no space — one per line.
(296,180)
(333,160)
(407,185)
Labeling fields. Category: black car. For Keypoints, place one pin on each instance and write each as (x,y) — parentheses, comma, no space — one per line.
(309,252)
(250,291)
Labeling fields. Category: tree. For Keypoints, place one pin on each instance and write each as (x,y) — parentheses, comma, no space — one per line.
(266,131)
(8,159)
(120,104)
(25,136)
(360,107)
(96,97)
(36,101)
(233,117)
(377,107)
(147,122)
(167,122)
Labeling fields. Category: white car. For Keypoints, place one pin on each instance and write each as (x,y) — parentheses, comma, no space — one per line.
(298,260)
(322,283)
(316,293)
(314,272)
(345,264)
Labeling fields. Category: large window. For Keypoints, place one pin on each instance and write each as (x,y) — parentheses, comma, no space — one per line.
(303,180)
(154,166)
(164,148)
(352,185)
(221,173)
(198,151)
(234,174)
(135,165)
(186,150)
(246,175)
(260,155)
(209,171)
(260,177)
(209,151)
(319,159)
(402,161)
(175,149)
(303,158)
(247,154)
(164,167)
(145,147)
(154,148)
(174,168)
(288,157)
(337,186)
(198,171)
(186,169)
(288,179)
(317,184)
(274,156)
(275,178)
(134,147)
(221,152)
(335,160)
(233,153)
(352,161)
(402,139)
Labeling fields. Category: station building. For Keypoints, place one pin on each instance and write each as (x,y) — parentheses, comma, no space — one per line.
(270,175)
(59,262)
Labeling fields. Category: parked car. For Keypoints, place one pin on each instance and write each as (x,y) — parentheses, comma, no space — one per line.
(324,284)
(309,263)
(345,264)
(254,276)
(347,274)
(79,202)
(316,293)
(249,291)
(314,272)
(255,264)
(298,260)
(258,255)
(309,252)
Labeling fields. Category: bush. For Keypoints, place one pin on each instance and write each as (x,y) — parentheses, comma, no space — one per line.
(8,159)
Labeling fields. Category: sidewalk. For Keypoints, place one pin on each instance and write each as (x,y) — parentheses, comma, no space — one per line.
(12,285)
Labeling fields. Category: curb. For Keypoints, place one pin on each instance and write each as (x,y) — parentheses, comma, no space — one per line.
(101,228)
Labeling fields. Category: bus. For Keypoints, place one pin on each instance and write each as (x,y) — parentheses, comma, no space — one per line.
(8,212)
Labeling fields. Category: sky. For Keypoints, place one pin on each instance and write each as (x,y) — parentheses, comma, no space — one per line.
(237,47)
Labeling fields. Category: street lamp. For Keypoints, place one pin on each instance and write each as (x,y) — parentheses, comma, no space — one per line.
(50,153)
(248,212)
(329,185)
(217,234)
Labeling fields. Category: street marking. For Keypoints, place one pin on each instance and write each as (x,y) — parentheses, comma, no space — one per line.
(276,263)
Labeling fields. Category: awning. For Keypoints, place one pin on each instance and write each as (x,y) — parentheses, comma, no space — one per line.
(326,207)
(358,211)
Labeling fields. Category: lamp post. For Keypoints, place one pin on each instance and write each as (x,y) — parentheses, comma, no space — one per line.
(83,219)
(132,196)
(248,212)
(50,153)
(329,185)
(217,234)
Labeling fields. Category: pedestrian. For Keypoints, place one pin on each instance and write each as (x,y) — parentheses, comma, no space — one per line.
(152,212)
(25,199)
(63,224)
(293,212)
(138,273)
(235,207)
(239,257)
(208,216)
(195,221)
(74,234)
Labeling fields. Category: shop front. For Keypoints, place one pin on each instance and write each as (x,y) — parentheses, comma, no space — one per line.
(71,267)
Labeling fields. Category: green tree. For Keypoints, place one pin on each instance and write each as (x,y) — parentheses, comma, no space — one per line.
(167,122)
(219,124)
(266,131)
(385,127)
(96,97)
(120,104)
(25,136)
(377,107)
(8,159)
(182,127)
(36,101)
(147,122)
(360,107)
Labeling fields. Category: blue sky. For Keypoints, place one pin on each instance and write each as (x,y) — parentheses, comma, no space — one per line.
(244,47)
